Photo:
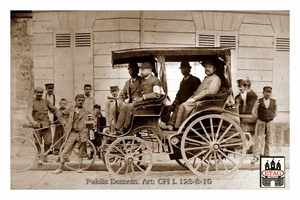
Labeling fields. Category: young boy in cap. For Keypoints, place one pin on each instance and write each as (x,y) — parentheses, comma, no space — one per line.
(59,130)
(264,110)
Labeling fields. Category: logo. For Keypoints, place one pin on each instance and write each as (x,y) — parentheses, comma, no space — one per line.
(272,172)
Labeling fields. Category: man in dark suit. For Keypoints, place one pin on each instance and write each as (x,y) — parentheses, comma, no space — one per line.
(151,89)
(133,86)
(188,86)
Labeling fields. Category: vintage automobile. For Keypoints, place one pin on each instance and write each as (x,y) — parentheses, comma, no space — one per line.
(210,142)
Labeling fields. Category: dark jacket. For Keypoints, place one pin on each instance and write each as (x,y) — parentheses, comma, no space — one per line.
(246,107)
(187,88)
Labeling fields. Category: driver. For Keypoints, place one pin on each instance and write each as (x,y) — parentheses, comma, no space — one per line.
(210,85)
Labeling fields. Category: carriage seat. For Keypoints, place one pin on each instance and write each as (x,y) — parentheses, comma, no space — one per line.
(151,107)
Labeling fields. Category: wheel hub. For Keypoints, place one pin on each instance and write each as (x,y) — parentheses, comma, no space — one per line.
(214,146)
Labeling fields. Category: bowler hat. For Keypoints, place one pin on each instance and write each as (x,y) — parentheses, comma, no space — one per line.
(208,61)
(267,88)
(97,106)
(133,65)
(49,85)
(112,88)
(185,64)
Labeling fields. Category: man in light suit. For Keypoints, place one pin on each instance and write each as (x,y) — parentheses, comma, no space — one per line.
(77,133)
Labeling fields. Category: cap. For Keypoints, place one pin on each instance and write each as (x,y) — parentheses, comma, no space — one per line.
(38,89)
(49,85)
(247,81)
(112,88)
(185,64)
(208,61)
(133,66)
(97,106)
(147,64)
(267,88)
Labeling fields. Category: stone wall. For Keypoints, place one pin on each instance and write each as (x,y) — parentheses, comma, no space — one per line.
(21,69)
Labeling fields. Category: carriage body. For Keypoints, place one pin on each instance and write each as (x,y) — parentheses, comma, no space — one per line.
(210,142)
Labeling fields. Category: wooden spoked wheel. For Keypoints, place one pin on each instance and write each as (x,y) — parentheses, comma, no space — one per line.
(213,146)
(129,158)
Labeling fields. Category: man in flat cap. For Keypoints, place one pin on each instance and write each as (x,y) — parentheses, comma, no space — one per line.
(111,108)
(37,115)
(264,110)
(210,85)
(151,89)
(188,86)
(54,99)
(89,100)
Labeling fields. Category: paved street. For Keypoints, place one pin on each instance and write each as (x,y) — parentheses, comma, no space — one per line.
(163,175)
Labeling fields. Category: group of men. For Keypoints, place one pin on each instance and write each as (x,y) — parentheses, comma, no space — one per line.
(262,111)
(138,89)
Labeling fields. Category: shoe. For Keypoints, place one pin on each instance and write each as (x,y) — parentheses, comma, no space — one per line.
(79,170)
(254,160)
(57,171)
(67,160)
(45,159)
(170,127)
(40,160)
(163,126)
(91,155)
(56,152)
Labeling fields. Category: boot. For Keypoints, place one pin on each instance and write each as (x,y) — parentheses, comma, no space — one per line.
(98,153)
(91,155)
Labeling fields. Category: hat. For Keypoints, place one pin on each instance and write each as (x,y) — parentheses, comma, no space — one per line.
(244,82)
(147,64)
(97,106)
(38,89)
(208,61)
(112,88)
(49,85)
(267,88)
(133,65)
(185,64)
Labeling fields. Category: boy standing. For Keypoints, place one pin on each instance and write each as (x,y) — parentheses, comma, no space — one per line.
(264,110)
(59,130)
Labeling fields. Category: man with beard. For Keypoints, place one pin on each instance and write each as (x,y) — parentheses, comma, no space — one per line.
(151,89)
(77,133)
(210,85)
(188,86)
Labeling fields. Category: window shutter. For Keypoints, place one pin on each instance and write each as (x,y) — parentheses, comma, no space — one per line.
(206,40)
(282,44)
(82,39)
(63,40)
(228,41)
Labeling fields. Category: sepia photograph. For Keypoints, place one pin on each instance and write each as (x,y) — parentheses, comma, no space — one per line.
(143,99)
